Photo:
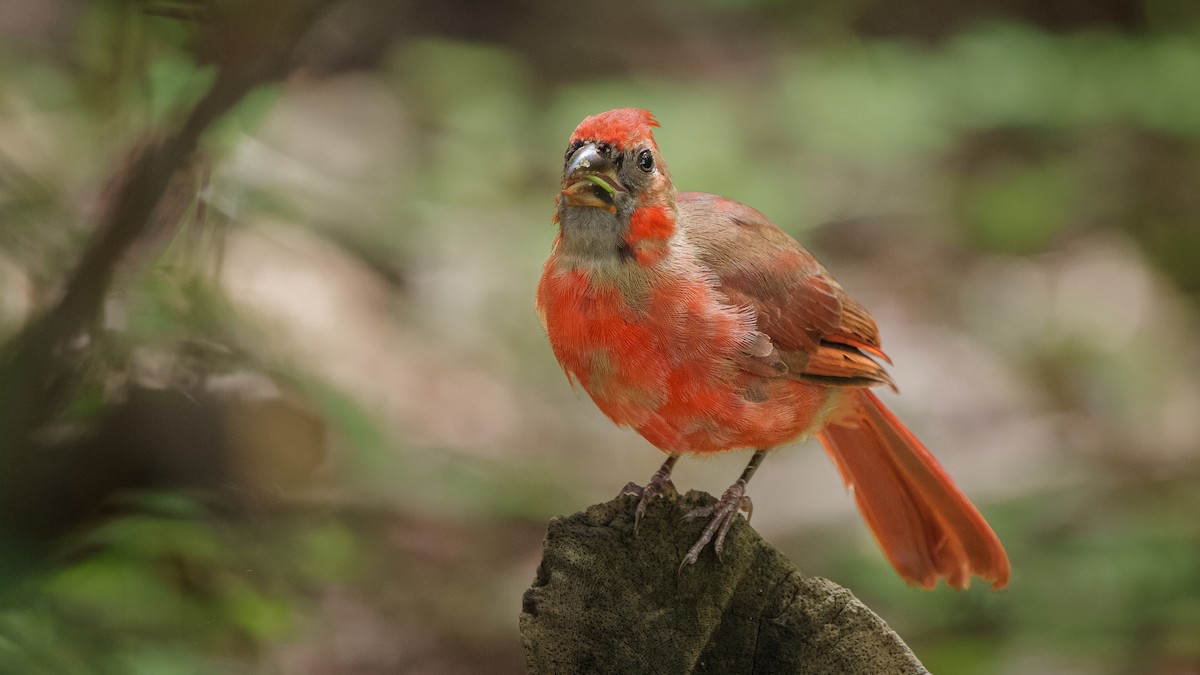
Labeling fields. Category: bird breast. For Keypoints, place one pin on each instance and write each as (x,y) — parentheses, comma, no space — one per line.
(662,355)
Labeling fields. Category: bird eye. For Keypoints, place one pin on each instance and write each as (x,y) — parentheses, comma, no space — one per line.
(645,160)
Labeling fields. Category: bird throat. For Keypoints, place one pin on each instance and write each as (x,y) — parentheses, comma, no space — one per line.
(596,242)
(593,237)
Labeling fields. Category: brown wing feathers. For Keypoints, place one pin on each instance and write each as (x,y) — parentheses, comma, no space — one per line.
(820,332)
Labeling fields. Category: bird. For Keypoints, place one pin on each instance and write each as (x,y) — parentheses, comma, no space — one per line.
(699,323)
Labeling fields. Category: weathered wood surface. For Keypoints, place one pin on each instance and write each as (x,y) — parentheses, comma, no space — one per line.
(607,601)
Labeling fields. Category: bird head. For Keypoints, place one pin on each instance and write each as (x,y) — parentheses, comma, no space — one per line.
(616,189)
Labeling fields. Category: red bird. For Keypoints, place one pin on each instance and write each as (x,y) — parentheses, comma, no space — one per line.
(695,320)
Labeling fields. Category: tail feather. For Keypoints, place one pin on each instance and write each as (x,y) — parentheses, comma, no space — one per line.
(926,527)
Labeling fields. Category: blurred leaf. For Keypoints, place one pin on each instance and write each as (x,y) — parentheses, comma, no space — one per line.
(121,591)
(472,101)
(327,553)
(174,85)
(261,616)
(159,659)
(1018,210)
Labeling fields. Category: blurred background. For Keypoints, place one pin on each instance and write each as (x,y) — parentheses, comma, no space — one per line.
(282,404)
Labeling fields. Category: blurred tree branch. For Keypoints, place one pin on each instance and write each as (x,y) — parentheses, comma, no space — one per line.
(50,482)
(607,601)
(250,43)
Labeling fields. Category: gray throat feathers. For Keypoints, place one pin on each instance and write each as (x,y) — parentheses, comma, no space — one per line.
(593,241)
(593,237)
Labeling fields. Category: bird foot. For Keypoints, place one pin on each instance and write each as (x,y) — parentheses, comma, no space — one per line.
(724,512)
(659,486)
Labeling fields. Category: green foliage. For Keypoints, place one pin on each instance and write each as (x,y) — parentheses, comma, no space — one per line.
(1095,588)
(169,582)
(1017,211)
(471,102)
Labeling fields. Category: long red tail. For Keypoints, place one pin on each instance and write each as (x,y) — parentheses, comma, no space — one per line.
(926,527)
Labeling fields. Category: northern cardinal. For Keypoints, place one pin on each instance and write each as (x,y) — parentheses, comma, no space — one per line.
(695,320)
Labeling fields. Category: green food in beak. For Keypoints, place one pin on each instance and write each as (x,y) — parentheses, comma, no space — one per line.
(599,180)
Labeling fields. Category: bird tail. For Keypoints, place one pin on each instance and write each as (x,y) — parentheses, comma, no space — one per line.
(925,525)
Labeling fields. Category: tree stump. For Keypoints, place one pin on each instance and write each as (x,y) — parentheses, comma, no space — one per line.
(605,601)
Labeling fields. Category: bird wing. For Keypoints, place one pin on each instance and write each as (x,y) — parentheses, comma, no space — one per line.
(817,330)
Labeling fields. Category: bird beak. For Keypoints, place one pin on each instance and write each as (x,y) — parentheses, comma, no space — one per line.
(590,179)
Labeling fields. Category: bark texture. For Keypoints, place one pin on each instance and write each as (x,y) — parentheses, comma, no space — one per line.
(605,601)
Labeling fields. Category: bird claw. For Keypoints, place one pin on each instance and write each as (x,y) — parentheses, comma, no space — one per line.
(659,486)
(732,502)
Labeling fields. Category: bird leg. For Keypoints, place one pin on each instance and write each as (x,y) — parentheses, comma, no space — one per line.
(723,513)
(659,485)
